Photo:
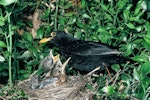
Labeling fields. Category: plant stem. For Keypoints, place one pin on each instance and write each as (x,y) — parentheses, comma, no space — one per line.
(10,50)
(56,13)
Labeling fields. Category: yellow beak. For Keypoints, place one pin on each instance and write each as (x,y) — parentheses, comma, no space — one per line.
(45,40)
(56,58)
(53,34)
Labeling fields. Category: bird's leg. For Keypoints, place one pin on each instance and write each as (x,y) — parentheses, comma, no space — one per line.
(107,70)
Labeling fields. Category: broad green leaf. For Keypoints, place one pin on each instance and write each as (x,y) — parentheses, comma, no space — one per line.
(71,21)
(130,25)
(25,54)
(145,68)
(134,19)
(48,28)
(2,59)
(146,45)
(89,86)
(128,49)
(147,39)
(86,16)
(79,24)
(104,6)
(28,36)
(115,67)
(147,27)
(108,16)
(68,5)
(126,78)
(109,90)
(124,36)
(126,14)
(32,62)
(7,2)
(35,51)
(69,14)
(39,33)
(2,44)
(140,58)
(121,4)
(136,75)
(139,28)
(138,7)
(47,13)
(2,21)
(61,20)
(83,3)
(77,34)
(103,35)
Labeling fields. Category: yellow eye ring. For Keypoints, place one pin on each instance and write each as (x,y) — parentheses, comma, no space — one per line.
(53,34)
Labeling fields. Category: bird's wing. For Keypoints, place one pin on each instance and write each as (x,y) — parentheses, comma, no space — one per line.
(91,48)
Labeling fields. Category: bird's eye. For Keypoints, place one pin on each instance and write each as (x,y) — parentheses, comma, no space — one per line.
(53,34)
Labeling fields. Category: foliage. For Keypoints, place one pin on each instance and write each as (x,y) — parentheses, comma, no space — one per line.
(120,23)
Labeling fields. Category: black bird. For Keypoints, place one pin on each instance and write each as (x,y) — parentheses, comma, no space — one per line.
(85,55)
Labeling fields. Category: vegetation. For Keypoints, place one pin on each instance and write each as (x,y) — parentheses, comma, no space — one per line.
(121,23)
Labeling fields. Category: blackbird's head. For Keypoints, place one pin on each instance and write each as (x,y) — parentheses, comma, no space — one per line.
(58,38)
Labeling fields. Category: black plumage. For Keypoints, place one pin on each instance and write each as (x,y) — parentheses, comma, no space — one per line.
(85,55)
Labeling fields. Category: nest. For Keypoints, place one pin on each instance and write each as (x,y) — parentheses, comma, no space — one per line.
(54,84)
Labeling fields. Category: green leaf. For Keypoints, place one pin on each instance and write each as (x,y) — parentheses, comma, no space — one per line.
(128,49)
(86,16)
(126,13)
(136,75)
(33,62)
(61,20)
(2,21)
(109,90)
(26,54)
(138,7)
(145,68)
(39,33)
(83,3)
(121,4)
(104,37)
(146,45)
(89,86)
(147,39)
(2,44)
(71,21)
(115,67)
(69,14)
(130,25)
(68,5)
(28,36)
(104,7)
(77,34)
(108,16)
(79,24)
(7,2)
(126,78)
(48,28)
(47,13)
(2,59)
(35,51)
(124,36)
(140,58)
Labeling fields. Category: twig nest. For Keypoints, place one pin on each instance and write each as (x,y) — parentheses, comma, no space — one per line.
(73,89)
(56,86)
